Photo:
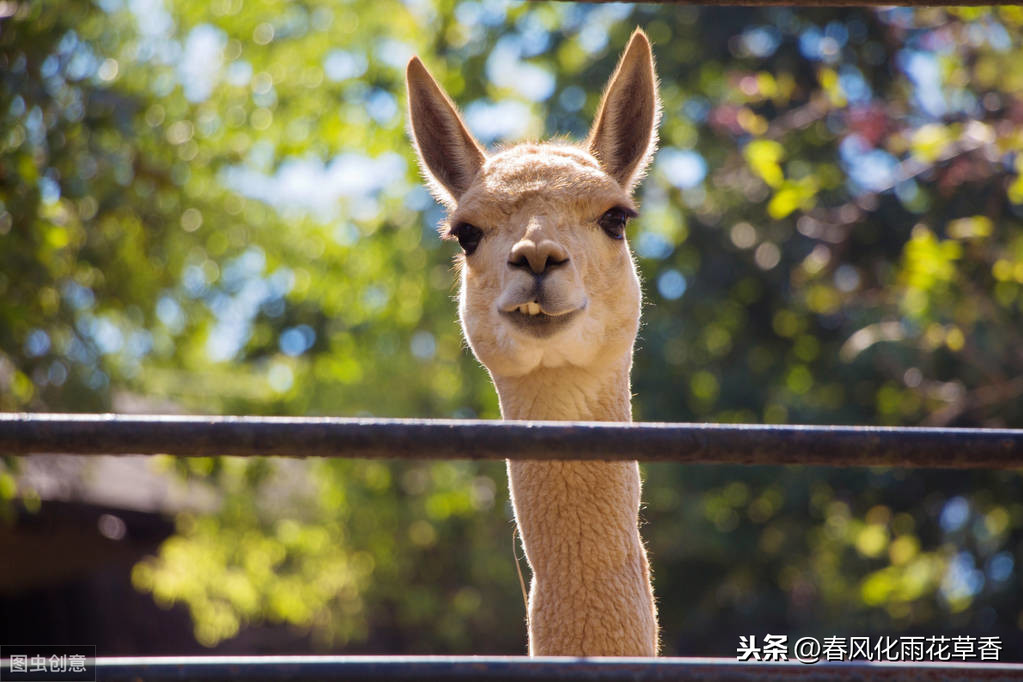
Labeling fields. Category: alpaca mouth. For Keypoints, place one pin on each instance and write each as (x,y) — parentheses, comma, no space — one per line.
(530,319)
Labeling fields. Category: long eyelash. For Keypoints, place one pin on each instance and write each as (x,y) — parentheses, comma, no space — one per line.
(454,227)
(625,211)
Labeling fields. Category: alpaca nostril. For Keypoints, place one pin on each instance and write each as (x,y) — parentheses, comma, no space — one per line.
(549,263)
(554,262)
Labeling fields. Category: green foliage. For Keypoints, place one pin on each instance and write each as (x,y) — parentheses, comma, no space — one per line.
(213,207)
(338,561)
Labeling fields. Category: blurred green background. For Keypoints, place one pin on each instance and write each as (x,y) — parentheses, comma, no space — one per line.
(212,207)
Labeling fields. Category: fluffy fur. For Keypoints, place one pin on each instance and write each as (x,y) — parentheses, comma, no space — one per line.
(538,207)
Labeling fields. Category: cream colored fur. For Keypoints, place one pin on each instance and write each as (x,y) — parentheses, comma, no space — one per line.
(538,207)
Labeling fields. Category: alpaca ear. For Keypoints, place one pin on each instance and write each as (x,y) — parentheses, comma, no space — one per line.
(624,134)
(449,155)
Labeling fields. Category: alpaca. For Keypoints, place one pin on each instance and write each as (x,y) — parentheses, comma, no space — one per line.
(550,304)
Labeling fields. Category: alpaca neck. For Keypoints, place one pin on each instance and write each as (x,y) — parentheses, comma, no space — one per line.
(567,394)
(590,593)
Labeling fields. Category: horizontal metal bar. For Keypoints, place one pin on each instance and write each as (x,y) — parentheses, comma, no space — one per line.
(825,3)
(93,434)
(819,3)
(438,668)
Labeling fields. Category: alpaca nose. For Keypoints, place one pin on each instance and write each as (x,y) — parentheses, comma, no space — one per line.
(538,257)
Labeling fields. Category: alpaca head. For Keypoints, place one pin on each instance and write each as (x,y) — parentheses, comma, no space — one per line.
(547,276)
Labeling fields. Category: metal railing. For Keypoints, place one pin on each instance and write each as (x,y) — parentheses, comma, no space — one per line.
(497,668)
(843,446)
(438,669)
(828,3)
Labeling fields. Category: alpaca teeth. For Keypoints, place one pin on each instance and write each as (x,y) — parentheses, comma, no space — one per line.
(523,309)
(534,308)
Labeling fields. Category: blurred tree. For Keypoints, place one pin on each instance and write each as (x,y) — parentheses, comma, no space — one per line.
(214,204)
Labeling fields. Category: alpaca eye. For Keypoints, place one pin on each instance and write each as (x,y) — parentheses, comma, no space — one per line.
(468,236)
(613,221)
